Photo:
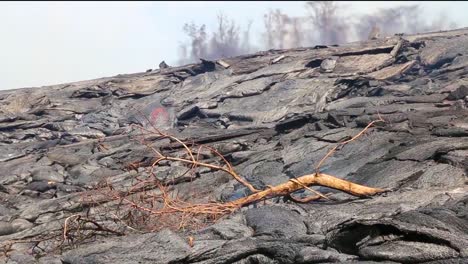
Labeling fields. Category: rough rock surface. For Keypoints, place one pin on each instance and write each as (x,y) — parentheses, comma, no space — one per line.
(273,121)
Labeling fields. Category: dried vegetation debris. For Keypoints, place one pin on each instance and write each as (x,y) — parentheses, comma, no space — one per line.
(273,122)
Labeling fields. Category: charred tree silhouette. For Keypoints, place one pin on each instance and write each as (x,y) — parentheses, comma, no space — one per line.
(281,30)
(246,46)
(322,24)
(402,19)
(197,36)
(326,20)
(228,40)
(274,29)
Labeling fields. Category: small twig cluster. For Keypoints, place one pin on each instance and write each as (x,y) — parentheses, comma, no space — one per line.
(76,230)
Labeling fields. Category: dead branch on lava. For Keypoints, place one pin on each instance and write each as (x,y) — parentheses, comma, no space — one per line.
(158,202)
(149,203)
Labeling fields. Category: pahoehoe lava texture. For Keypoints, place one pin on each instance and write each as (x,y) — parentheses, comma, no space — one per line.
(273,121)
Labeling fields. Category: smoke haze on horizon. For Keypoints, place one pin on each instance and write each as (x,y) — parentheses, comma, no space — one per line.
(49,43)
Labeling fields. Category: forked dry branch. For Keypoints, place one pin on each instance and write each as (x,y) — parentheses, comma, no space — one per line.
(155,198)
(150,203)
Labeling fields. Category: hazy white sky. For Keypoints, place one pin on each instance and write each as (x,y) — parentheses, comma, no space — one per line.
(44,43)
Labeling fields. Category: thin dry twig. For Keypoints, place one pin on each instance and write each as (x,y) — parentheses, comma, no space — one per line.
(341,144)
